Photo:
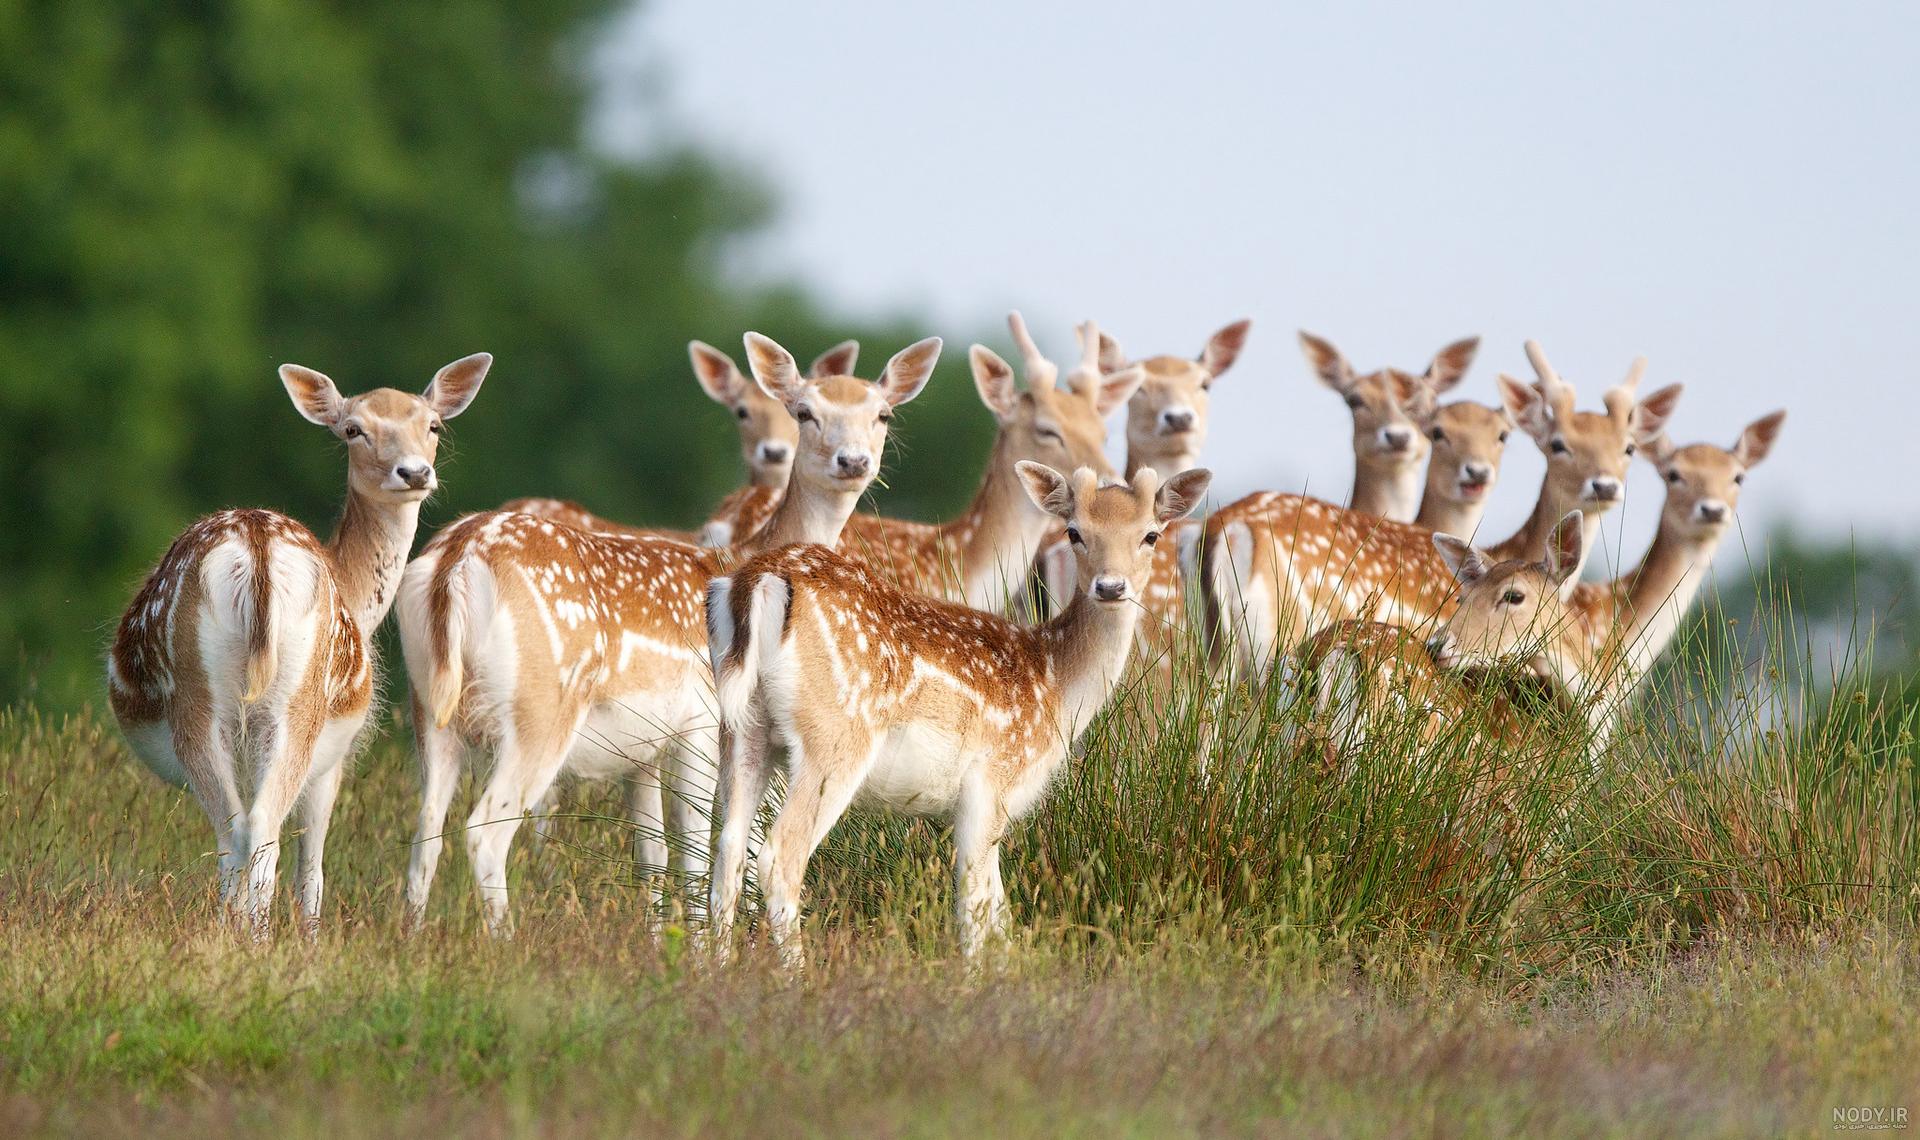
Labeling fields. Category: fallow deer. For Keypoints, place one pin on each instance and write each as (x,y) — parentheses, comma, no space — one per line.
(767,435)
(983,556)
(1278,567)
(1389,447)
(1468,441)
(582,652)
(244,670)
(914,704)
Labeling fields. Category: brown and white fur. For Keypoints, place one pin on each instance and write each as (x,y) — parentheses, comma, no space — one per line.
(1279,567)
(918,705)
(1468,441)
(983,556)
(244,671)
(767,435)
(581,652)
(1389,447)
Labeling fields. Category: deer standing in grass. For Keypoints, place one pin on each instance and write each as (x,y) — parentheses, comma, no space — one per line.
(985,554)
(914,704)
(582,652)
(1389,407)
(1594,641)
(245,659)
(1279,567)
(767,435)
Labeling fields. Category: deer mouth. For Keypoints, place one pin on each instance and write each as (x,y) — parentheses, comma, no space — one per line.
(1474,488)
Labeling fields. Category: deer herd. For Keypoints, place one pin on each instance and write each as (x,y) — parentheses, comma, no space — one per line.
(935,669)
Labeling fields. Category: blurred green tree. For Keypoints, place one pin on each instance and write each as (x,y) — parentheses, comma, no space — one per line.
(192,193)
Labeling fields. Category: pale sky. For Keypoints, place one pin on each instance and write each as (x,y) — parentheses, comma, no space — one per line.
(1726,189)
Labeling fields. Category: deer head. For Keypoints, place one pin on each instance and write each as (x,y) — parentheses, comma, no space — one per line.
(1167,415)
(1468,441)
(1587,452)
(1061,423)
(840,422)
(1508,611)
(1704,481)
(767,432)
(391,437)
(1387,404)
(1113,527)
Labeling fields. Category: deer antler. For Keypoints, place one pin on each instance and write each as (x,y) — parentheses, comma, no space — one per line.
(1085,377)
(1041,372)
(1558,395)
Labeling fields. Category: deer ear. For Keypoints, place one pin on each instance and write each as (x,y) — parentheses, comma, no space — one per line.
(1566,547)
(1416,396)
(836,361)
(1757,440)
(910,369)
(1467,564)
(993,377)
(774,368)
(1649,417)
(1451,364)
(455,385)
(1657,448)
(1048,489)
(313,394)
(1327,363)
(1180,495)
(1117,388)
(1526,407)
(1223,348)
(717,373)
(1112,357)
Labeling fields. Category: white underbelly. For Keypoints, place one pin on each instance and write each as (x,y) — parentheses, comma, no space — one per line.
(631,730)
(919,771)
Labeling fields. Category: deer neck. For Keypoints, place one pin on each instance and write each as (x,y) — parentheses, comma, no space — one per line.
(998,535)
(806,514)
(1659,592)
(1391,492)
(369,550)
(1087,649)
(1443,514)
(1530,541)
(1168,460)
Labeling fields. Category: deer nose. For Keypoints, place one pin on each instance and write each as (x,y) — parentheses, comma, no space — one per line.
(771,452)
(1476,472)
(1712,512)
(1396,438)
(1177,419)
(1603,490)
(851,465)
(1109,589)
(415,475)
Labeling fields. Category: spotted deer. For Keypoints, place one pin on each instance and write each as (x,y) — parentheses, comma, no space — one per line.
(1278,567)
(983,556)
(915,704)
(583,652)
(1468,441)
(767,435)
(1167,420)
(1389,447)
(243,670)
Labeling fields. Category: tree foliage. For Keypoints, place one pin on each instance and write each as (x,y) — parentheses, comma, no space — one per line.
(192,193)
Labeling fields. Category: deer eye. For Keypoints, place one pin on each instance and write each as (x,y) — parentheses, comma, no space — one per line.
(1630,450)
(1513,597)
(352,431)
(435,427)
(741,412)
(1739,479)
(1356,403)
(1153,536)
(1041,431)
(1073,534)
(1673,476)
(886,415)
(1436,435)
(1503,437)
(804,415)
(1558,447)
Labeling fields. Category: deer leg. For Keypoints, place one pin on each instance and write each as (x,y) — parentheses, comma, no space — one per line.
(531,753)
(543,814)
(316,810)
(646,813)
(692,811)
(205,755)
(738,794)
(980,895)
(439,750)
(821,784)
(286,760)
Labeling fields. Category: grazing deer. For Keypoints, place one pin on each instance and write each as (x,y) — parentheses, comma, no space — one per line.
(571,651)
(1278,567)
(1468,442)
(1388,405)
(915,704)
(247,652)
(767,435)
(984,555)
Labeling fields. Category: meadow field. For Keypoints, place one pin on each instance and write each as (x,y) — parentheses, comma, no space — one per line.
(1711,933)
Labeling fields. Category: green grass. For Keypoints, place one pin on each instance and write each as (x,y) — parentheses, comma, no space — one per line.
(1711,933)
